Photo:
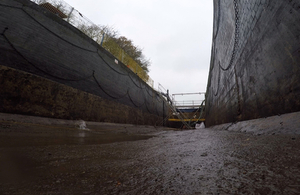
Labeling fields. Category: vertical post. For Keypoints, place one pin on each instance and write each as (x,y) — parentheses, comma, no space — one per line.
(136,68)
(163,113)
(102,39)
(70,14)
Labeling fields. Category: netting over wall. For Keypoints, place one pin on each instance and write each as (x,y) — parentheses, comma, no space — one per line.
(254,52)
(74,17)
(36,41)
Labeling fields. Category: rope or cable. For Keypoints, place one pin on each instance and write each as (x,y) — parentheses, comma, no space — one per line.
(200,116)
(135,83)
(45,72)
(80,47)
(219,78)
(152,95)
(147,89)
(236,37)
(218,20)
(157,113)
(105,91)
(236,41)
(11,6)
(138,106)
(110,65)
(93,51)
(148,109)
(89,50)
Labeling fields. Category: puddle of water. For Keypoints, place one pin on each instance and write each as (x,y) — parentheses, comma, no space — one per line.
(26,135)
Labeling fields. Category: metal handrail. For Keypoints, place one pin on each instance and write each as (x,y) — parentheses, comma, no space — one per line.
(78,20)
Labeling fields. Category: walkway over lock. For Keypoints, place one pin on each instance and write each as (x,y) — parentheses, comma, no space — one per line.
(185,113)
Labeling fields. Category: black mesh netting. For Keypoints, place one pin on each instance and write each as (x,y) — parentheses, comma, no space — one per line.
(41,43)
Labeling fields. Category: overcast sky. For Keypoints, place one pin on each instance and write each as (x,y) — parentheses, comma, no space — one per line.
(175,35)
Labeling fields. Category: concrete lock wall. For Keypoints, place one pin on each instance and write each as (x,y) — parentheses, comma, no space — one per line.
(255,62)
(25,93)
(37,41)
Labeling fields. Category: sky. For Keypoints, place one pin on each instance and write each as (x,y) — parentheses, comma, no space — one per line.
(175,35)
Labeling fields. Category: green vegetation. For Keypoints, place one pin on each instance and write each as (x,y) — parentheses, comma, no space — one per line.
(120,46)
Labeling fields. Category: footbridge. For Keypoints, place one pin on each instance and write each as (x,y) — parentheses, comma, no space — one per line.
(184,113)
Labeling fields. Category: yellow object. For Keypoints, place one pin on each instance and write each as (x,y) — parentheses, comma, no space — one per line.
(111,46)
(186,120)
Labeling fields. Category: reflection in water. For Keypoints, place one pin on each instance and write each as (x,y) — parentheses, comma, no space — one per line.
(39,135)
(81,136)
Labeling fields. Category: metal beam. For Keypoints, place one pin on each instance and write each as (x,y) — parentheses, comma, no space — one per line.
(188,93)
(186,120)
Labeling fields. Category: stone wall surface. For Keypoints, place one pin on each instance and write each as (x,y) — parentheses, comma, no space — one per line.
(255,62)
(28,94)
(37,41)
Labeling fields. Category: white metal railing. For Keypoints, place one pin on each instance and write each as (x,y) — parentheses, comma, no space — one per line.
(188,103)
(78,20)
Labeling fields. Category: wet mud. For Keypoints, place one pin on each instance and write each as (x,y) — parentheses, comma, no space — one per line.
(128,159)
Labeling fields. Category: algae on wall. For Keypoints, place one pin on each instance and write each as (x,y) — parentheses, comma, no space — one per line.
(25,93)
(38,42)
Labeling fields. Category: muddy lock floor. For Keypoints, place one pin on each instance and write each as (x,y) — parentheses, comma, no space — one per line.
(127,159)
